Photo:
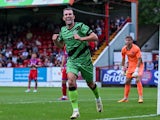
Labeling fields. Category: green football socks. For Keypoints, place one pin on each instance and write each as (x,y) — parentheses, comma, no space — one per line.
(73,95)
(95,91)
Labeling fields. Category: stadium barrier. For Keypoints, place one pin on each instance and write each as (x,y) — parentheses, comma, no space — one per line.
(51,77)
(110,76)
(47,77)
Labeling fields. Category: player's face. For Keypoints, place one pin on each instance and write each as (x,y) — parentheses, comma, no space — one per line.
(128,41)
(68,17)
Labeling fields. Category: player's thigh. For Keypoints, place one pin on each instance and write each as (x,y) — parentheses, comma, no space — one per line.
(71,79)
(128,78)
(129,75)
(30,76)
(131,69)
(72,68)
(35,74)
(72,74)
(87,73)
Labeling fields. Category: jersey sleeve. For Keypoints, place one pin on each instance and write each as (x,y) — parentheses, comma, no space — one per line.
(86,29)
(138,53)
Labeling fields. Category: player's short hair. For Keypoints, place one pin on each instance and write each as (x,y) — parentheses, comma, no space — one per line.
(68,8)
(129,37)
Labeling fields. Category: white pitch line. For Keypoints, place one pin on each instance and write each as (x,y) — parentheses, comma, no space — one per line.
(128,117)
(43,102)
(52,101)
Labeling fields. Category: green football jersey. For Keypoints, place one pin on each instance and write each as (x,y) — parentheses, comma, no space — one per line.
(78,51)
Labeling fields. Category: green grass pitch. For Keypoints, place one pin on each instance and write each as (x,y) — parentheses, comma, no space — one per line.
(15,104)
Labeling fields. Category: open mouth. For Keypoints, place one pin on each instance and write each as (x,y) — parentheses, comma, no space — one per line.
(68,19)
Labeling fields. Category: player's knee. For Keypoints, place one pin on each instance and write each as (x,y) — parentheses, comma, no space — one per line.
(64,81)
(137,79)
(71,83)
(92,85)
(128,81)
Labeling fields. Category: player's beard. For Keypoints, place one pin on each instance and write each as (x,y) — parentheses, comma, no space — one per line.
(129,46)
(69,22)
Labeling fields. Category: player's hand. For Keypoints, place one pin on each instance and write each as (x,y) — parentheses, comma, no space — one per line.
(122,71)
(135,74)
(54,37)
(77,37)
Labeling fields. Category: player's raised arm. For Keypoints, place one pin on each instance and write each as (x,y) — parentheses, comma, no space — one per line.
(59,44)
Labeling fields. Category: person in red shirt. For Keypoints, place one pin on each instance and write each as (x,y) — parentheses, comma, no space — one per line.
(134,70)
(33,64)
(64,76)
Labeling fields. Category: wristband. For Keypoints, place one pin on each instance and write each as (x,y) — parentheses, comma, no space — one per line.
(122,67)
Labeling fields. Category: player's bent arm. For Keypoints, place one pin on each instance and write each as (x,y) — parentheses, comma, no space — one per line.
(91,37)
(135,74)
(139,62)
(123,62)
(122,67)
(59,44)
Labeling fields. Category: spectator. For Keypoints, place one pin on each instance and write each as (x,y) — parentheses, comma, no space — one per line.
(155,62)
(47,62)
(29,35)
(2,59)
(20,59)
(14,59)
(8,53)
(34,48)
(149,66)
(102,24)
(59,56)
(20,65)
(20,45)
(113,28)
(37,41)
(25,53)
(117,23)
(93,28)
(3,49)
(9,63)
(54,53)
(98,30)
(1,65)
(122,20)
(128,19)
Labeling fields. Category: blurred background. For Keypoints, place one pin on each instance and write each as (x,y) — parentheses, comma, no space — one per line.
(27,26)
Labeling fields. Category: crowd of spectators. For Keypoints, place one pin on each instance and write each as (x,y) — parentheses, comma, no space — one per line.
(152,65)
(18,42)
